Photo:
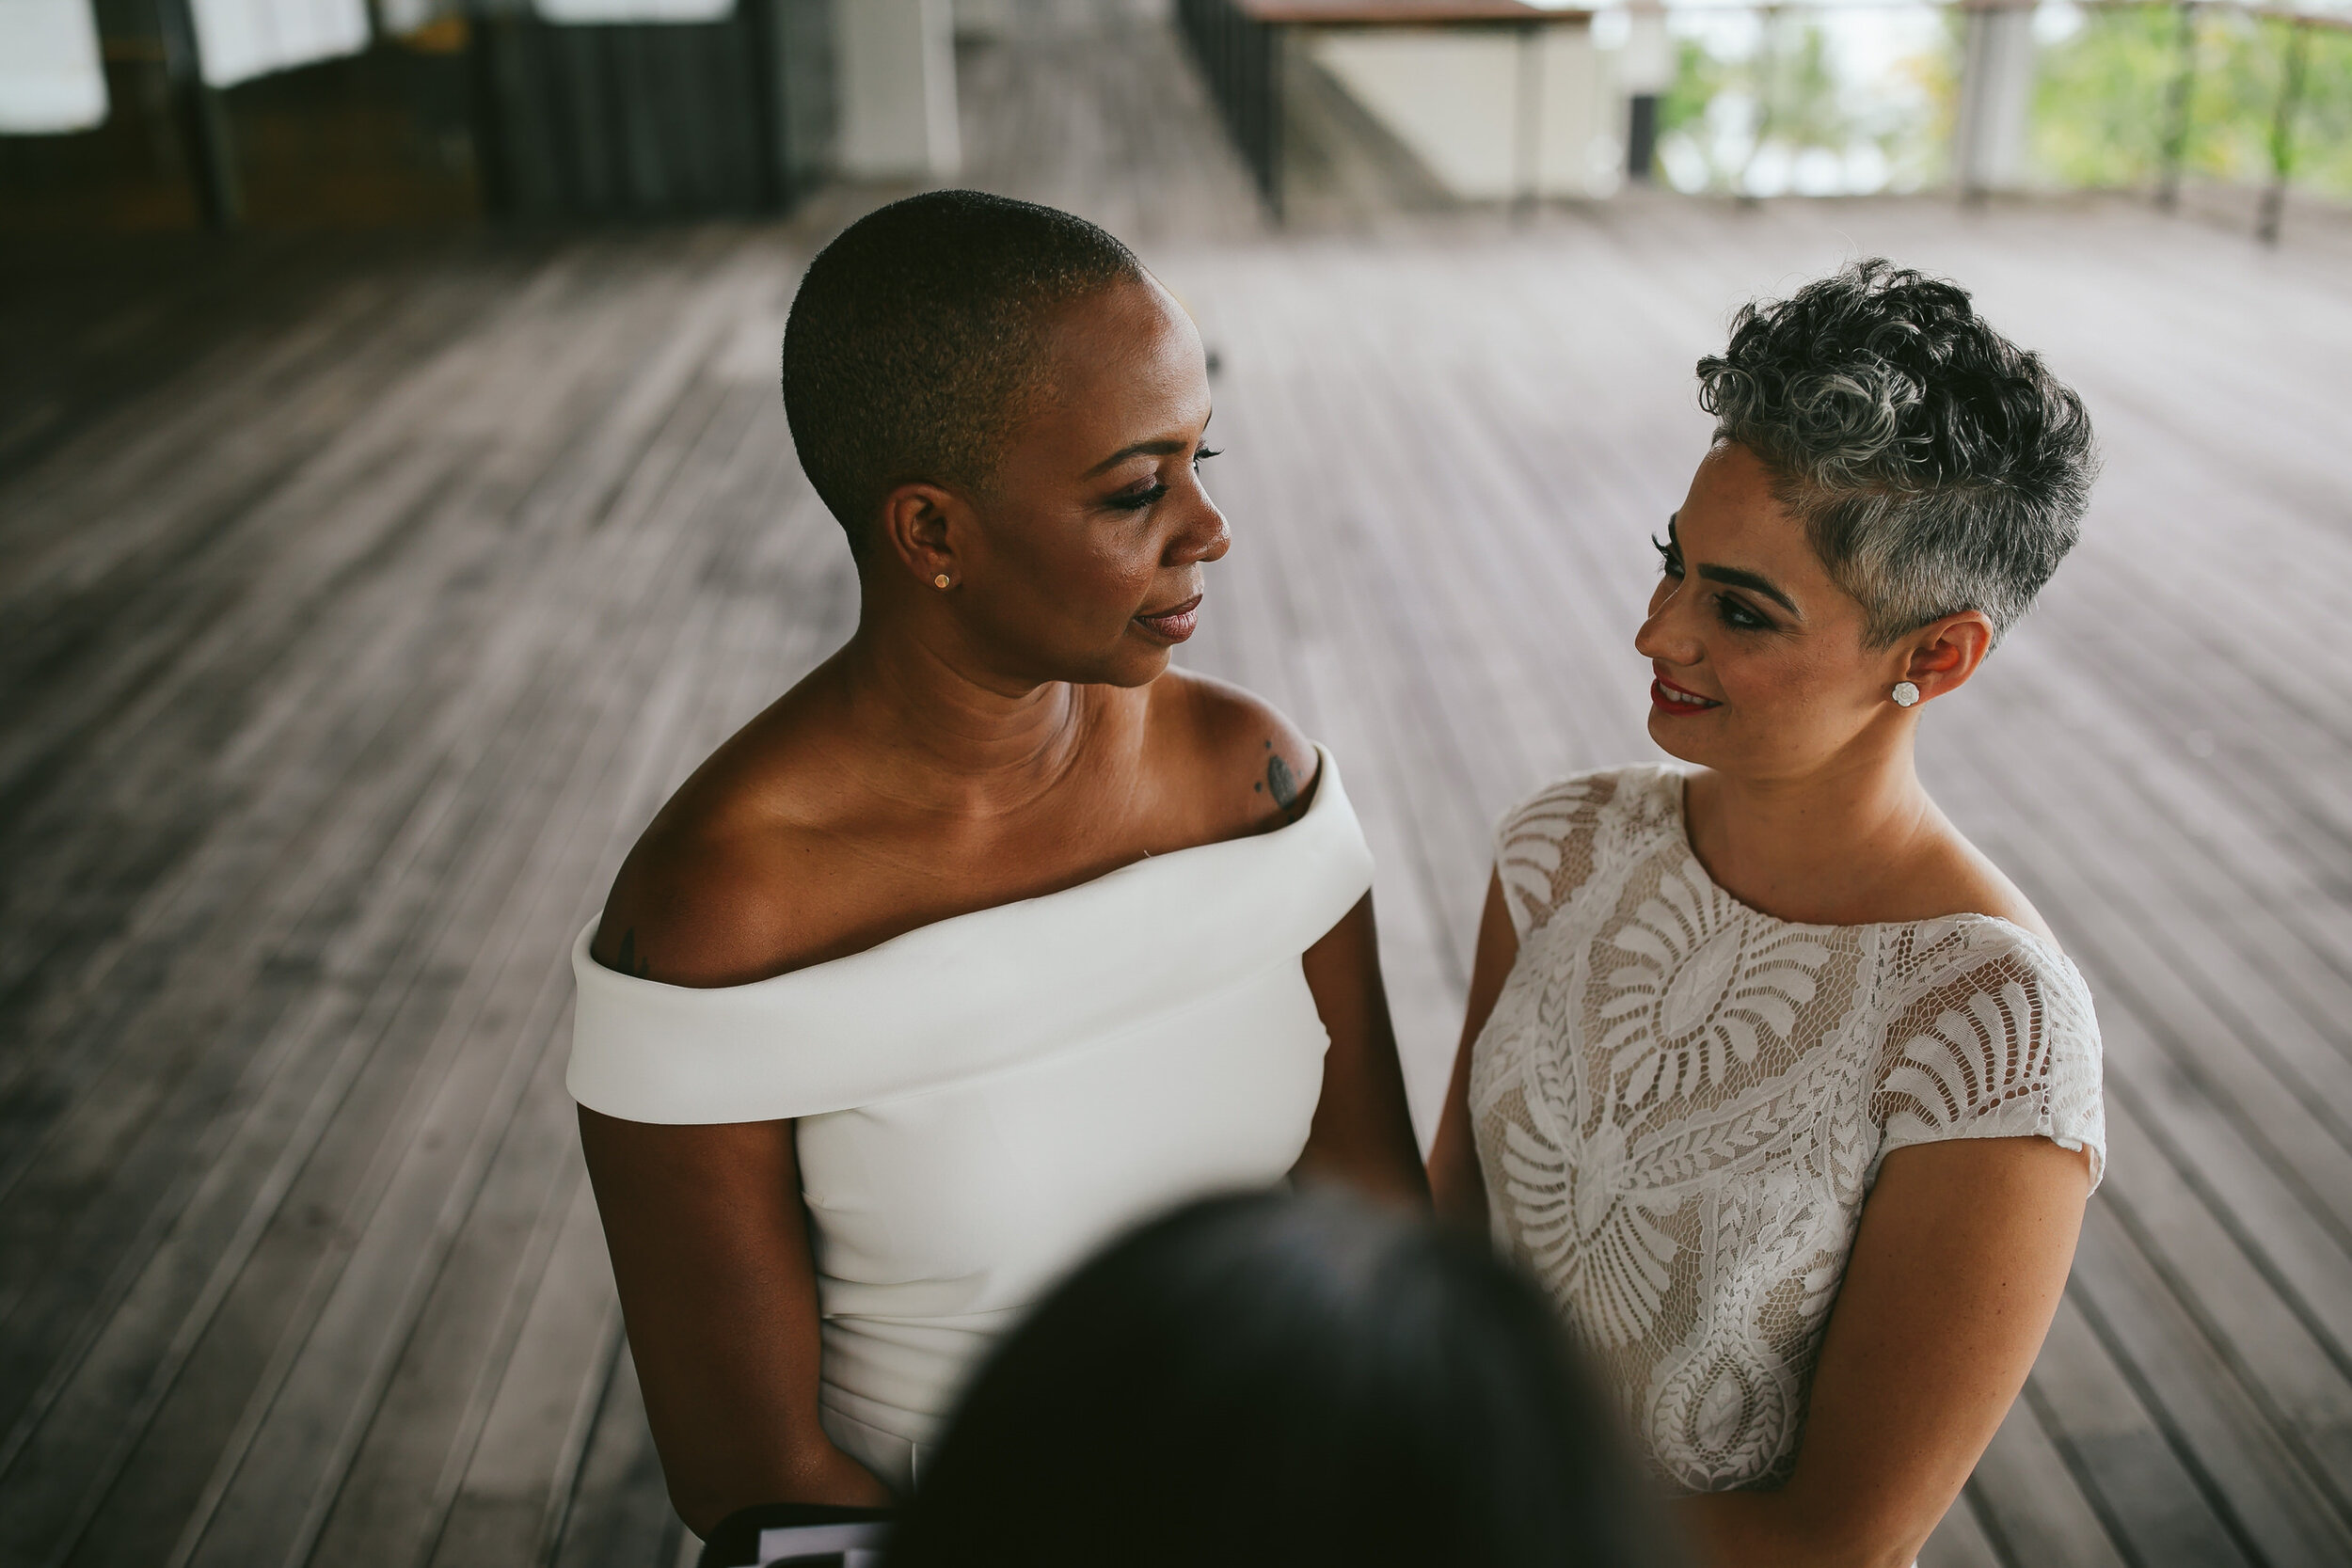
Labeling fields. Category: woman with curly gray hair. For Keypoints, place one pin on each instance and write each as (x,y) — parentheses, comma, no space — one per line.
(1786,1092)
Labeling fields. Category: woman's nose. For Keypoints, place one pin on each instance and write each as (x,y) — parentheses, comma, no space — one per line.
(1663,635)
(1204,536)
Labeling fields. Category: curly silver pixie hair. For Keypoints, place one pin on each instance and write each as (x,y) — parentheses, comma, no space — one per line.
(1937,466)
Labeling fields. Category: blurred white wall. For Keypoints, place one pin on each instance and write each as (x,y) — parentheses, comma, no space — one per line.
(50,78)
(896,61)
(1995,101)
(238,39)
(1645,54)
(1455,97)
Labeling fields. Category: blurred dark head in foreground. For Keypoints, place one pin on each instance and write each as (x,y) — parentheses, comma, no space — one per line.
(917,341)
(1283,1380)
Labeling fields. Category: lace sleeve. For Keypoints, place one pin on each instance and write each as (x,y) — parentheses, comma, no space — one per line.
(1995,1037)
(1544,847)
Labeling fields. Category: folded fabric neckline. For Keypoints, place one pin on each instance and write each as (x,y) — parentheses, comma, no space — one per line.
(973,992)
(1327,785)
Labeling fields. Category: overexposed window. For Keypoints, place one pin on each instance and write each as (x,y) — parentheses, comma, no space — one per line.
(239,39)
(50,78)
(630,10)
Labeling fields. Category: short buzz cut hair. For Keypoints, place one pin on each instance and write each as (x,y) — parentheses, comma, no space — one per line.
(914,344)
(1937,466)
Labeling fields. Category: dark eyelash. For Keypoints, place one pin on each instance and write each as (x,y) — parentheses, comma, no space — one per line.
(1669,554)
(1748,620)
(1138,501)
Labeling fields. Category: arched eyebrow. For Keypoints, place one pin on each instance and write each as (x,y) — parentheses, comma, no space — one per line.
(1141,448)
(1735,577)
(1147,448)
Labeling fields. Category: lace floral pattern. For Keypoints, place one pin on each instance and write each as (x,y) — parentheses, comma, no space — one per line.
(1680,1105)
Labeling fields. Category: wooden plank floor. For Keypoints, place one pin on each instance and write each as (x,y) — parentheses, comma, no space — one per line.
(355,611)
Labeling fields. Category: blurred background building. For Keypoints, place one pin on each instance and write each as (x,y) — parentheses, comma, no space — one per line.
(395,503)
(128,115)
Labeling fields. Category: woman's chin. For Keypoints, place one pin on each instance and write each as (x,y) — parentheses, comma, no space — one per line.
(1674,738)
(1136,661)
(1145,671)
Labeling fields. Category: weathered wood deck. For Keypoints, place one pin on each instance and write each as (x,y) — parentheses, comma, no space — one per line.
(357,604)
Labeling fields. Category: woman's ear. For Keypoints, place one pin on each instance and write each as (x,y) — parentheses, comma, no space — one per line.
(923,528)
(1944,655)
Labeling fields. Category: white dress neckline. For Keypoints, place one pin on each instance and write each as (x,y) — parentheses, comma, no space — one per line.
(943,929)
(942,1000)
(1680,797)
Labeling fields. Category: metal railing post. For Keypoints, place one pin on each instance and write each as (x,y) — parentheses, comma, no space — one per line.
(1767,95)
(203,129)
(1527,151)
(2178,109)
(1646,68)
(1273,52)
(2282,132)
(485,108)
(1242,59)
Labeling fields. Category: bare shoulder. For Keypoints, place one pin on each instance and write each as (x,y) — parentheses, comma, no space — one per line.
(722,886)
(1255,769)
(700,899)
(2005,899)
(1971,881)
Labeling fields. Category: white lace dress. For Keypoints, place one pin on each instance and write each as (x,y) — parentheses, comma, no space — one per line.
(1680,1105)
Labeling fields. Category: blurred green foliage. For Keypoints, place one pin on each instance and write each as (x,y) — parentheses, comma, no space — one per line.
(1783,90)
(2103,105)
(1699,77)
(2323,131)
(2100,97)
(2104,100)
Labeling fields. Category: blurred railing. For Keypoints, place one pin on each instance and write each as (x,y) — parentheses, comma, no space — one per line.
(1848,97)
(2116,94)
(1246,49)
(1241,57)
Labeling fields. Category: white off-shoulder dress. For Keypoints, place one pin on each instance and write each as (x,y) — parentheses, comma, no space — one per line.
(1680,1105)
(983,1100)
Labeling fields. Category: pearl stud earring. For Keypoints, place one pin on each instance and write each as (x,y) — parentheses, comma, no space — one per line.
(941,581)
(1906,694)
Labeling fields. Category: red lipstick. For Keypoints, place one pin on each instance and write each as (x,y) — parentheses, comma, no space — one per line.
(1679,701)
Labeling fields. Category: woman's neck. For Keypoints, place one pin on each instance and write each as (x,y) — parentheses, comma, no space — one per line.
(928,732)
(1825,847)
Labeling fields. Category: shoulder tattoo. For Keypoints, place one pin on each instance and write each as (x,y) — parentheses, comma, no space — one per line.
(1280,782)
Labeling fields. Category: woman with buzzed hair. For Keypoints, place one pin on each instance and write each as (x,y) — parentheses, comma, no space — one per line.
(994,934)
(1782,1087)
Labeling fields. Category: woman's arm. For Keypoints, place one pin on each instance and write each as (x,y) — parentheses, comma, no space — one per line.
(1454,1181)
(1363,1129)
(710,1248)
(708,1237)
(1957,1270)
(1257,774)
